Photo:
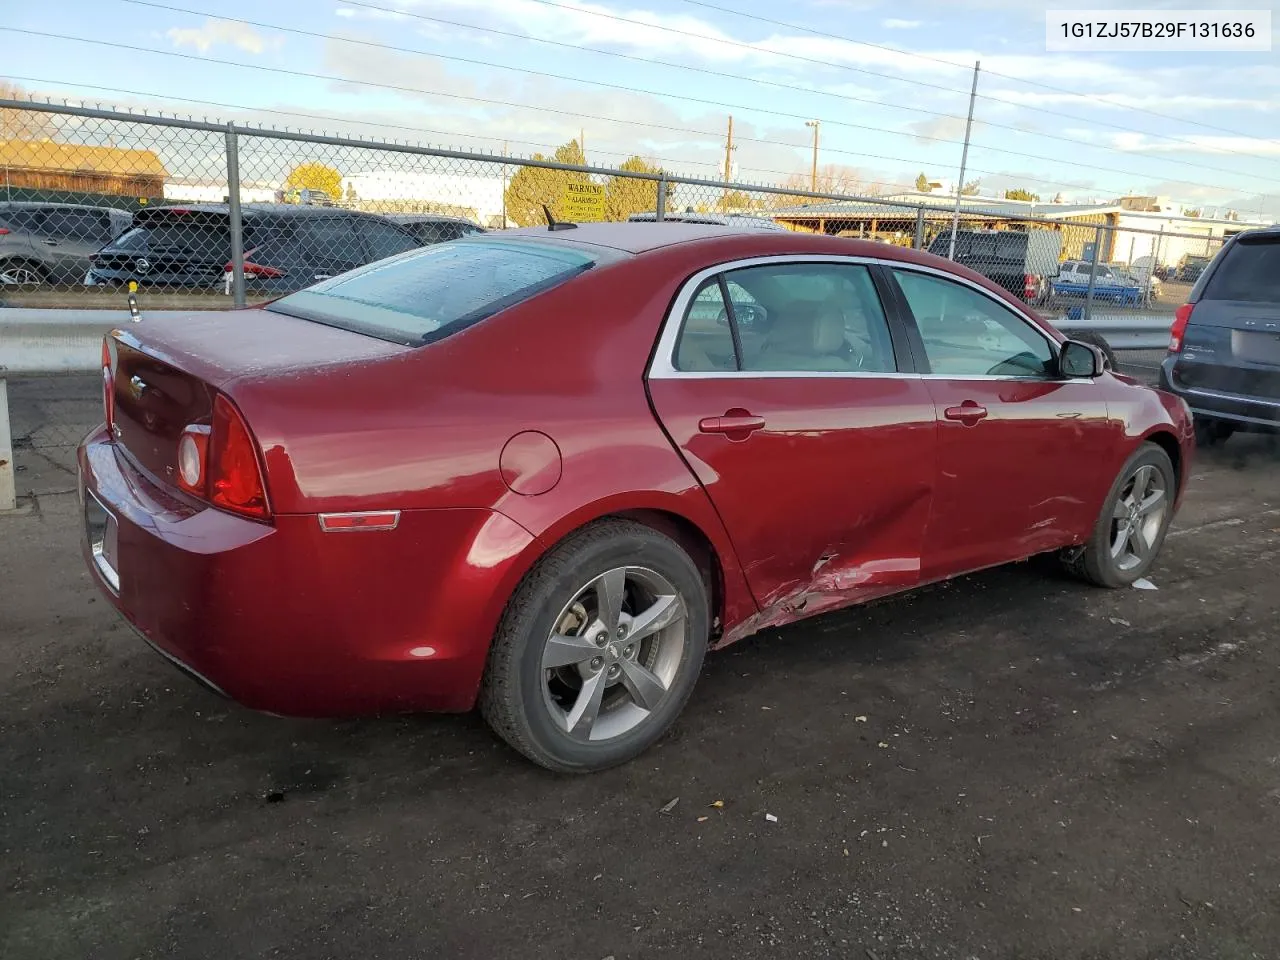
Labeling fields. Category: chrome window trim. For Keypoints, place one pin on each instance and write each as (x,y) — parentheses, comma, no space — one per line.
(662,366)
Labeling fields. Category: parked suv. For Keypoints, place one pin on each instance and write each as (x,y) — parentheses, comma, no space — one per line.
(1224,348)
(286,247)
(431,228)
(51,242)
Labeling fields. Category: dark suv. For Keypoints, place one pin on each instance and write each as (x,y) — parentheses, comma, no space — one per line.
(1224,348)
(431,228)
(286,247)
(52,242)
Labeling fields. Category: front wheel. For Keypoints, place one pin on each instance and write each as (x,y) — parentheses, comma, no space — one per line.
(599,649)
(1132,526)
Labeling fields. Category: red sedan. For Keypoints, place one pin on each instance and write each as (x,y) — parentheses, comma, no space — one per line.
(545,470)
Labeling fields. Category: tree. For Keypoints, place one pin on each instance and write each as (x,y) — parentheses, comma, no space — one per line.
(315,176)
(922,183)
(832,179)
(624,196)
(1191,212)
(970,189)
(1021,194)
(532,187)
(24,124)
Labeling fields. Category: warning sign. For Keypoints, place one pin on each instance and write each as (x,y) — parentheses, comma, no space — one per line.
(582,202)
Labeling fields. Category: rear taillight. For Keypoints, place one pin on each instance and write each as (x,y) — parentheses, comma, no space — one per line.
(220,464)
(255,270)
(1181,317)
(4,231)
(193,458)
(109,382)
(1028,286)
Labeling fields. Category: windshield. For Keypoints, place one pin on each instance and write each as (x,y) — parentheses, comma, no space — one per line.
(424,295)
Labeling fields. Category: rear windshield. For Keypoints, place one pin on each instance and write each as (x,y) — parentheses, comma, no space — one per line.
(425,295)
(175,236)
(1250,271)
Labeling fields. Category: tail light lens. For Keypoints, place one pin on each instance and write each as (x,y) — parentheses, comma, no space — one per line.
(1028,286)
(1181,317)
(255,269)
(109,382)
(4,231)
(220,464)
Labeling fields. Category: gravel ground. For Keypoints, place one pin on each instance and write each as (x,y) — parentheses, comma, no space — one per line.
(1012,765)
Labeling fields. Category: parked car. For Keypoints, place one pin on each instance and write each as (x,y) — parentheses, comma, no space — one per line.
(51,242)
(1224,348)
(1019,261)
(429,228)
(1109,285)
(394,491)
(286,247)
(1190,268)
(1144,270)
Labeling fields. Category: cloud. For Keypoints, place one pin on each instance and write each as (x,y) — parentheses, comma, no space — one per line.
(1195,143)
(895,24)
(941,128)
(217,33)
(1161,102)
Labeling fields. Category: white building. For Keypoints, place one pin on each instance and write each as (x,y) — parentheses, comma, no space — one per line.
(202,191)
(477,197)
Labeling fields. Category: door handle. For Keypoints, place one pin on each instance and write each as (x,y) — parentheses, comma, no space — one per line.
(50,243)
(968,413)
(735,424)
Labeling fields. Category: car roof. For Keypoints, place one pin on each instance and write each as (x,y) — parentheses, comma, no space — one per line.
(427,218)
(37,205)
(263,210)
(720,244)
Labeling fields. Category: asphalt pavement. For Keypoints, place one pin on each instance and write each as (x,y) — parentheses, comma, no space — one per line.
(1010,765)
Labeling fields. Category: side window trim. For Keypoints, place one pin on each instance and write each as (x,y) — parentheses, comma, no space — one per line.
(732,315)
(926,369)
(663,366)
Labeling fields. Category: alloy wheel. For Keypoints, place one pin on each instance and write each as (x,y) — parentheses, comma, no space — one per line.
(1138,517)
(614,653)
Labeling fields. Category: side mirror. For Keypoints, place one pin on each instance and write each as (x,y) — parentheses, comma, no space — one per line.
(1080,360)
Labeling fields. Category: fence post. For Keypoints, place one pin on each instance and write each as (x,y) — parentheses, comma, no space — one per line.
(237,225)
(662,197)
(8,487)
(919,240)
(1093,273)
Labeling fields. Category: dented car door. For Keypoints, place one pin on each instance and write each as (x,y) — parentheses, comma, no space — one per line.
(781,385)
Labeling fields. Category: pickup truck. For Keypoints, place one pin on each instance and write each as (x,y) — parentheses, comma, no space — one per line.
(1021,261)
(1109,284)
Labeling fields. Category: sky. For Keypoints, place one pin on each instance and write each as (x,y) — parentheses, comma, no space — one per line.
(888,80)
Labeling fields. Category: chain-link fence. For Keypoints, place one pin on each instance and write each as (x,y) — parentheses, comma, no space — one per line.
(194,213)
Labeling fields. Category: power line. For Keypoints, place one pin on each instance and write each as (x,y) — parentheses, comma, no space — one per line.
(724,41)
(735,76)
(503,103)
(962,66)
(716,164)
(658,93)
(1026,178)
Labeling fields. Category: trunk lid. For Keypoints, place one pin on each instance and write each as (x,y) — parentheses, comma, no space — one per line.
(169,367)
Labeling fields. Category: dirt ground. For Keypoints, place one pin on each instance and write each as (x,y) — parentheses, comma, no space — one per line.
(1012,765)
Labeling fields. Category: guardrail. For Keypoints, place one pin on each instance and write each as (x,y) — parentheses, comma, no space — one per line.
(60,342)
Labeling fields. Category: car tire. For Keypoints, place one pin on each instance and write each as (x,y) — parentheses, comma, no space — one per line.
(1111,558)
(34,273)
(1210,432)
(575,694)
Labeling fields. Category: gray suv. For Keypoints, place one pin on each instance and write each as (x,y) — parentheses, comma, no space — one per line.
(1224,348)
(52,242)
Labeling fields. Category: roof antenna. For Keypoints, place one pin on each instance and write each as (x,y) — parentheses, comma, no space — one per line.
(553,224)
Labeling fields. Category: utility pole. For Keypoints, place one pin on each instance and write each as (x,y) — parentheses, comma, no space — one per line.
(964,159)
(813,174)
(728,152)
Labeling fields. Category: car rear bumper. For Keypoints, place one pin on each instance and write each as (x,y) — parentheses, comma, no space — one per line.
(1245,411)
(288,619)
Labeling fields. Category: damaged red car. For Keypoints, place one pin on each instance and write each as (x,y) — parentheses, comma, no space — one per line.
(544,471)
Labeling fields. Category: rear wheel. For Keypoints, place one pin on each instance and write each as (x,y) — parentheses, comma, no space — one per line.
(1134,521)
(598,650)
(20,273)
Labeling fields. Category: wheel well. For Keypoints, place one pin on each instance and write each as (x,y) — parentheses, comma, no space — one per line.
(695,543)
(35,265)
(1169,444)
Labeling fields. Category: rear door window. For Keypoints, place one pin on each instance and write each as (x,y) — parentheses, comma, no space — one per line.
(89,226)
(1250,272)
(383,240)
(330,243)
(438,290)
